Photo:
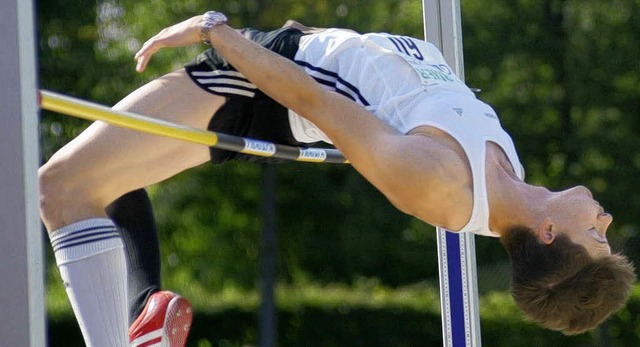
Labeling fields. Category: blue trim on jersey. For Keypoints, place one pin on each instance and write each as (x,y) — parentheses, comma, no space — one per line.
(333,85)
(350,86)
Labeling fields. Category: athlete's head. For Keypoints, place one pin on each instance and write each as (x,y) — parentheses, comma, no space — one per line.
(564,275)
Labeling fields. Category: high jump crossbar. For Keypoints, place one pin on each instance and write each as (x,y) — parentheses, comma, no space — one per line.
(71,106)
(457,258)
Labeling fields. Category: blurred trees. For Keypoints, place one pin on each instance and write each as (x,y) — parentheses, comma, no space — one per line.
(564,77)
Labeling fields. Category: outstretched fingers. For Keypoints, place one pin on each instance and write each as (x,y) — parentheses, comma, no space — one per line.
(183,34)
(144,54)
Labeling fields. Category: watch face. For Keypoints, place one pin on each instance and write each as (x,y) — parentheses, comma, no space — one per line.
(215,18)
(211,19)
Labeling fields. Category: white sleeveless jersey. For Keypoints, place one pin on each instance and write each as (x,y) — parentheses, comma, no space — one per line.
(406,83)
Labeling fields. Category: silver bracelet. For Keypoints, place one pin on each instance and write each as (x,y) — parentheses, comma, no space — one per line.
(210,19)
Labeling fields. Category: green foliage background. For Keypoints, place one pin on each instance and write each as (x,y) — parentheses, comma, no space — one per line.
(564,77)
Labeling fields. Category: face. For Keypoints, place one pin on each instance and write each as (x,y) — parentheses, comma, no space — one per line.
(577,215)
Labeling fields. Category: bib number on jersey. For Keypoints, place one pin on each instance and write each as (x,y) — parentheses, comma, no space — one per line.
(406,46)
(415,52)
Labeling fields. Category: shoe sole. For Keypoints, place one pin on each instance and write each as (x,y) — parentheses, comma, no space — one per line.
(177,323)
(175,329)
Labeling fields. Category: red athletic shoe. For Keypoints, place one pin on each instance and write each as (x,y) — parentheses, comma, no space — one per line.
(164,322)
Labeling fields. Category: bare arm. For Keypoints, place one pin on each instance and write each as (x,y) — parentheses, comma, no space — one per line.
(405,168)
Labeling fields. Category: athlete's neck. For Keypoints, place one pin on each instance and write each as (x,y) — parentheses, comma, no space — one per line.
(512,202)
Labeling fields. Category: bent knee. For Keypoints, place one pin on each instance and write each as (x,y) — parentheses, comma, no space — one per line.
(52,193)
(63,197)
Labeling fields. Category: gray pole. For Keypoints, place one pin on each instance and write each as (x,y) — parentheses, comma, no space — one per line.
(22,322)
(268,320)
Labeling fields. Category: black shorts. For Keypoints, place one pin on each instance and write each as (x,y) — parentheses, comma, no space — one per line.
(247,112)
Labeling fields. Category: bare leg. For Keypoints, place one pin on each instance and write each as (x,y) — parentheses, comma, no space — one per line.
(97,167)
(105,162)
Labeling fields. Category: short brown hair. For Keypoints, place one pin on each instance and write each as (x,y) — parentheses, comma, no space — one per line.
(560,287)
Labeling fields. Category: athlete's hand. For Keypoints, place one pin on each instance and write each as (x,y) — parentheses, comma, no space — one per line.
(183,34)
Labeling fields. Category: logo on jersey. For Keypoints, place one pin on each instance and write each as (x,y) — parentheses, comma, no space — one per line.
(491,115)
(439,72)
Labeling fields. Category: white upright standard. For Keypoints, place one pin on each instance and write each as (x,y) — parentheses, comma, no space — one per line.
(22,321)
(457,256)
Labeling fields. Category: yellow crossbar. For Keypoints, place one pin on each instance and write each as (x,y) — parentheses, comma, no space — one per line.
(71,106)
(87,110)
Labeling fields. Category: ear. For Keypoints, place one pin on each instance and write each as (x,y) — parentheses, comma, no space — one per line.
(546,231)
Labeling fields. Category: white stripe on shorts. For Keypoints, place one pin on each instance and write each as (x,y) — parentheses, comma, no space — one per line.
(224,81)
(232,91)
(215,81)
(217,73)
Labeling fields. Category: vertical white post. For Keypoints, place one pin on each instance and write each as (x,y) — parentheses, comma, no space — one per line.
(457,259)
(22,321)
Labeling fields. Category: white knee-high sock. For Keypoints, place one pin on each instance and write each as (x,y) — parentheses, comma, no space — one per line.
(92,265)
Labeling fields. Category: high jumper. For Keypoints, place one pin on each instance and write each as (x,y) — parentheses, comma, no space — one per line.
(389,103)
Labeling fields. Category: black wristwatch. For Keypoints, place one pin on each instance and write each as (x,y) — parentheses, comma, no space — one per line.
(210,19)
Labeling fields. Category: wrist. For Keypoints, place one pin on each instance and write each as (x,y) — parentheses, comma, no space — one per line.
(210,19)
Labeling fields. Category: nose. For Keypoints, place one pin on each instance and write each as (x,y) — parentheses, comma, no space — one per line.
(605,219)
